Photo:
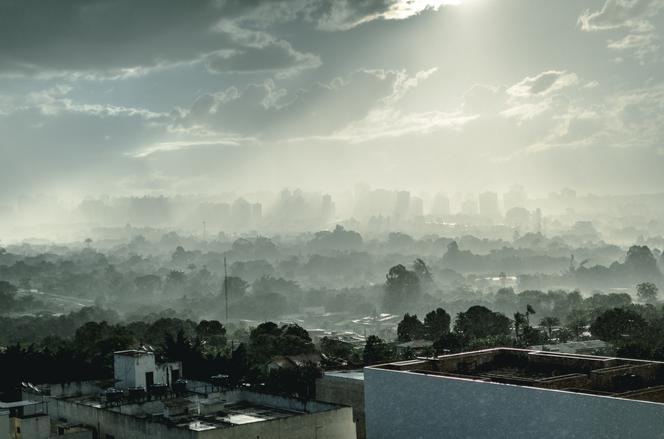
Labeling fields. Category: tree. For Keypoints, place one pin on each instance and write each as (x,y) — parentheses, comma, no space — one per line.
(618,325)
(181,348)
(549,323)
(402,287)
(450,342)
(529,311)
(376,351)
(641,263)
(436,324)
(237,287)
(336,348)
(7,288)
(647,292)
(422,270)
(480,322)
(268,340)
(210,328)
(410,328)
(520,323)
(576,321)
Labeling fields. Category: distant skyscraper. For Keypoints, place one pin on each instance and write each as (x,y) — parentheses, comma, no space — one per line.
(441,205)
(327,207)
(416,207)
(241,213)
(402,205)
(489,205)
(515,197)
(469,205)
(256,212)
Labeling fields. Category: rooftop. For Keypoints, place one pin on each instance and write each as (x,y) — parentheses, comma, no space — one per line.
(134,353)
(209,412)
(347,374)
(607,376)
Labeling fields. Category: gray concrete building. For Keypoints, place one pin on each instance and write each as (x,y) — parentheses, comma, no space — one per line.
(224,415)
(516,394)
(345,387)
(137,409)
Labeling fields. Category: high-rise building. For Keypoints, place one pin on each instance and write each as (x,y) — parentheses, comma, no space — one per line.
(488,202)
(401,205)
(469,205)
(327,208)
(441,205)
(515,197)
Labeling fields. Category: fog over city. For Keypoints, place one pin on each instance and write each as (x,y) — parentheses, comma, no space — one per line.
(269,200)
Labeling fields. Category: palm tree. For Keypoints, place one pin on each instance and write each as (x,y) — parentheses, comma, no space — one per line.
(520,321)
(549,323)
(529,311)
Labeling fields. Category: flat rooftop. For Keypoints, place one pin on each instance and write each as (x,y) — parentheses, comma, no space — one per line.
(357,374)
(607,376)
(215,411)
(133,353)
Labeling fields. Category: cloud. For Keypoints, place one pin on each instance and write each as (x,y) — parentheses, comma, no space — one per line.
(116,39)
(389,122)
(543,84)
(183,145)
(485,100)
(634,16)
(264,110)
(112,39)
(259,52)
(617,14)
(340,15)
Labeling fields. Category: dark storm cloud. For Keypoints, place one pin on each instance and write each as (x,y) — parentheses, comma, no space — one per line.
(117,38)
(126,37)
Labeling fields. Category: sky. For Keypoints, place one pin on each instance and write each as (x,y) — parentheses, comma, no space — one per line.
(203,96)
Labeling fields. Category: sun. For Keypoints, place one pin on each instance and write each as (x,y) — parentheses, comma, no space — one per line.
(407,8)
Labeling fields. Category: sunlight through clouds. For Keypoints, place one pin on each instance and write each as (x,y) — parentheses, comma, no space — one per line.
(407,8)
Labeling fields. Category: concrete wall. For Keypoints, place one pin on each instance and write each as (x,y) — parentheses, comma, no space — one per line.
(335,424)
(129,371)
(32,427)
(81,434)
(331,424)
(163,372)
(4,424)
(408,405)
(116,424)
(76,388)
(344,391)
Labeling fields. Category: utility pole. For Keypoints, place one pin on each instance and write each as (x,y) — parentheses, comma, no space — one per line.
(204,231)
(226,288)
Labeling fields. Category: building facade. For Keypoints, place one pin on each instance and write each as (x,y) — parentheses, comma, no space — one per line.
(517,394)
(138,369)
(346,388)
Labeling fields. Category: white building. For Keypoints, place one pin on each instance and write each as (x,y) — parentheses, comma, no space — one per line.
(137,368)
(516,394)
